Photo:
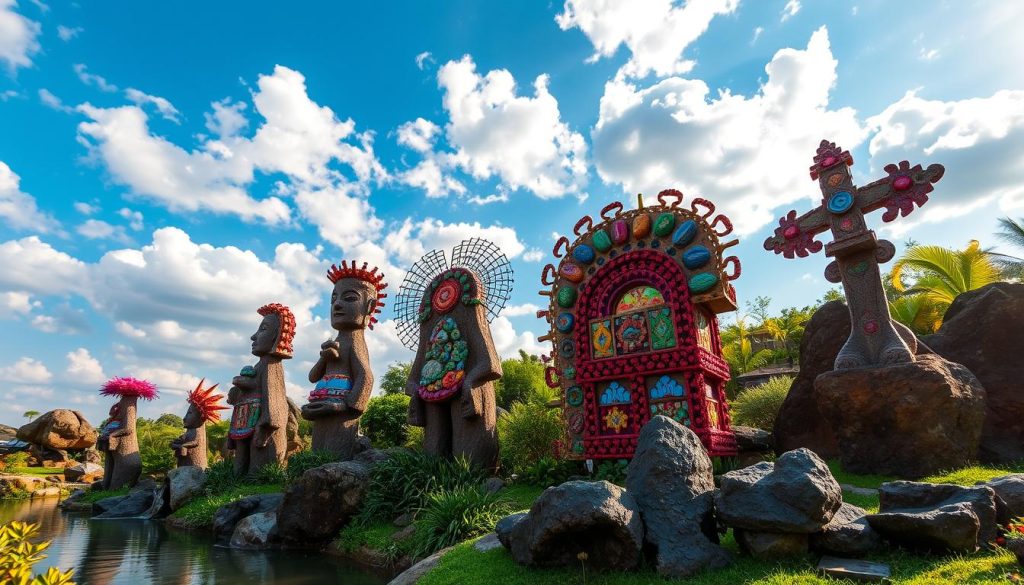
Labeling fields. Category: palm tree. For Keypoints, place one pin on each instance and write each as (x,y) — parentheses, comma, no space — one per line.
(737,350)
(31,414)
(1011,231)
(788,328)
(916,312)
(941,274)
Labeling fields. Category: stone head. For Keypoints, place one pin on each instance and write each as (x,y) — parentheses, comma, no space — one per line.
(193,419)
(275,333)
(357,297)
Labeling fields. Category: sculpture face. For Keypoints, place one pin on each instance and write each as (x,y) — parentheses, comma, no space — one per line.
(265,338)
(193,419)
(352,302)
(115,409)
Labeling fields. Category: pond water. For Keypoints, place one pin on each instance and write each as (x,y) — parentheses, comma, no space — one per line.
(132,552)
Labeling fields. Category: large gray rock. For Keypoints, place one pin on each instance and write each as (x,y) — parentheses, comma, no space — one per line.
(937,517)
(321,502)
(796,494)
(848,534)
(257,531)
(596,518)
(136,504)
(671,479)
(504,528)
(184,483)
(60,429)
(1009,496)
(228,516)
(83,473)
(770,545)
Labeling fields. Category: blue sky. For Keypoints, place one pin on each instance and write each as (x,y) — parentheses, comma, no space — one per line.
(165,169)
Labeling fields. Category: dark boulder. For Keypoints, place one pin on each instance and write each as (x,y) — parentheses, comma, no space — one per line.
(137,504)
(227,516)
(984,330)
(796,494)
(598,519)
(60,429)
(771,545)
(936,517)
(258,531)
(321,502)
(909,420)
(1009,491)
(848,534)
(671,479)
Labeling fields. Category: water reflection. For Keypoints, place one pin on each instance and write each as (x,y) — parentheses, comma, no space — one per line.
(130,552)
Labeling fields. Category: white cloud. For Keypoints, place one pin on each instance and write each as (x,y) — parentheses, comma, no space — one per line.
(656,32)
(164,107)
(790,10)
(18,209)
(97,229)
(53,102)
(93,80)
(757,34)
(520,139)
(16,303)
(533,255)
(8,94)
(66,33)
(227,118)
(500,197)
(508,342)
(135,219)
(83,368)
(25,371)
(86,208)
(747,154)
(19,37)
(411,240)
(423,60)
(521,310)
(65,320)
(33,266)
(418,135)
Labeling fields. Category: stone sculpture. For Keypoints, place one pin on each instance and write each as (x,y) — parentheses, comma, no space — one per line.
(260,416)
(443,311)
(342,373)
(875,339)
(118,441)
(190,447)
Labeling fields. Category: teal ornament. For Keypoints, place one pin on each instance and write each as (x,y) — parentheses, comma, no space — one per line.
(569,373)
(583,254)
(248,372)
(564,322)
(702,282)
(840,202)
(574,396)
(567,348)
(696,257)
(566,297)
(601,241)
(664,223)
(685,233)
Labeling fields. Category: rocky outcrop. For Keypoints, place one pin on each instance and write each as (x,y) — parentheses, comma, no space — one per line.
(795,495)
(227,517)
(596,519)
(671,479)
(183,484)
(907,420)
(257,531)
(1009,491)
(321,502)
(60,429)
(770,545)
(984,330)
(83,473)
(848,534)
(799,423)
(137,504)
(936,517)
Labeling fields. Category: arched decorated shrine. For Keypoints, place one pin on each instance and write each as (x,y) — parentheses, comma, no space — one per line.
(633,313)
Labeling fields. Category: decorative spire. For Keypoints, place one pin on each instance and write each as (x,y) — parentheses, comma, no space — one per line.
(371,276)
(828,155)
(206,401)
(284,339)
(128,386)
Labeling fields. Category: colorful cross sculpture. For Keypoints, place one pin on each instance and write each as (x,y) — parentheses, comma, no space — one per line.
(875,339)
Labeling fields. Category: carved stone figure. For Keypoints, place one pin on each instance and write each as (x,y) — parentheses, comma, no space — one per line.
(342,373)
(190,447)
(258,431)
(118,441)
(445,319)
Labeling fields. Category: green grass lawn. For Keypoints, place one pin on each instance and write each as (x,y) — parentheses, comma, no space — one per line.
(38,471)
(97,495)
(199,512)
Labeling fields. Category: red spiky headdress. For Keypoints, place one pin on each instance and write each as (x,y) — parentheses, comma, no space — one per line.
(287,334)
(372,277)
(206,401)
(128,386)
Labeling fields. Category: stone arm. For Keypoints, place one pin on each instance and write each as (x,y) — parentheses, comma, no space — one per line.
(898,193)
(417,417)
(484,364)
(188,440)
(795,235)
(328,352)
(358,397)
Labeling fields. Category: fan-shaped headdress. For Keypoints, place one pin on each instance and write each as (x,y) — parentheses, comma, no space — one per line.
(206,401)
(287,333)
(374,278)
(479,273)
(129,386)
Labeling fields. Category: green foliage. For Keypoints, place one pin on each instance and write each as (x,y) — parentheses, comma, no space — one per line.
(271,473)
(216,434)
(94,496)
(758,406)
(31,414)
(16,459)
(521,378)
(155,444)
(1011,231)
(220,477)
(452,516)
(303,461)
(613,470)
(548,471)
(199,512)
(385,420)
(528,433)
(973,474)
(373,535)
(18,554)
(396,378)
(404,481)
(171,420)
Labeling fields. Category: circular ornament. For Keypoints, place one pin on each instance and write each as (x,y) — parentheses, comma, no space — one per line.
(641,226)
(696,257)
(574,396)
(567,348)
(685,233)
(835,179)
(620,232)
(871,327)
(571,272)
(601,241)
(664,224)
(569,373)
(702,282)
(829,161)
(446,295)
(583,254)
(902,183)
(847,224)
(791,232)
(566,297)
(564,322)
(840,202)
(575,422)
(859,268)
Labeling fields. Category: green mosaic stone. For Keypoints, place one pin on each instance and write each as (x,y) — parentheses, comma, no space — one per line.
(601,241)
(702,282)
(664,224)
(566,297)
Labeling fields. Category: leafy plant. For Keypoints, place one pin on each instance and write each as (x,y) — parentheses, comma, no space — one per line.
(451,516)
(521,379)
(18,554)
(385,420)
(528,433)
(405,481)
(271,473)
(303,461)
(395,378)
(548,471)
(613,470)
(941,274)
(759,406)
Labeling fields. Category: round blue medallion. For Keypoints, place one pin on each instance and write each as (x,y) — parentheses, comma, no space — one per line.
(583,254)
(840,202)
(564,322)
(696,257)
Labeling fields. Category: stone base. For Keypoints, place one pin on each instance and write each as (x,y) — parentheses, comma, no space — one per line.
(907,420)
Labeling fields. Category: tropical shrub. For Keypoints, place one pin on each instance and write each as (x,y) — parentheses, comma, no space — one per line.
(612,470)
(528,433)
(521,378)
(759,406)
(154,445)
(385,420)
(451,516)
(220,477)
(548,471)
(404,482)
(303,461)
(271,473)
(18,554)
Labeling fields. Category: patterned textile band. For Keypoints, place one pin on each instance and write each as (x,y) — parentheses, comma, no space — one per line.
(110,427)
(244,418)
(332,386)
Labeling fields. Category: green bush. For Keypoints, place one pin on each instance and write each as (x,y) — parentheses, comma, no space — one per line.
(155,445)
(18,554)
(528,433)
(303,461)
(520,379)
(548,471)
(385,420)
(613,470)
(220,477)
(449,517)
(758,406)
(271,473)
(404,482)
(16,459)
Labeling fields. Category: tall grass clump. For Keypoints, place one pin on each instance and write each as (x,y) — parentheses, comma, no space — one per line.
(449,517)
(405,481)
(759,406)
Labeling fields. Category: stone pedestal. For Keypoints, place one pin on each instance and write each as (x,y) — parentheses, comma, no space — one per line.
(907,420)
